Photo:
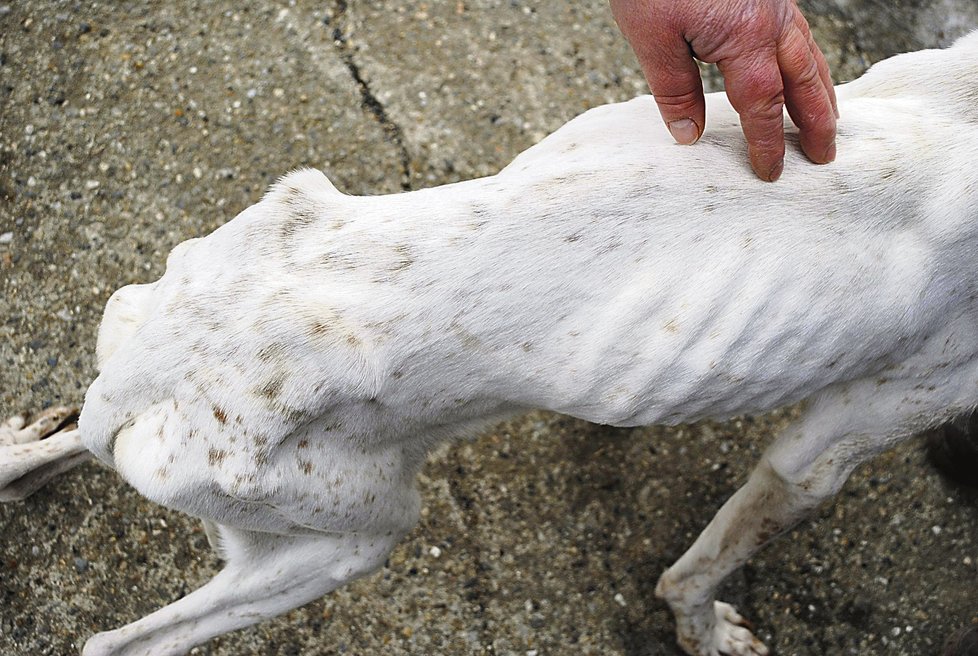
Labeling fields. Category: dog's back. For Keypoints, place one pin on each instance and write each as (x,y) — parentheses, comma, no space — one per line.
(606,273)
(290,370)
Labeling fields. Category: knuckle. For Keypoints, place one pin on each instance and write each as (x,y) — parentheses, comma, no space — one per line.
(809,75)
(678,101)
(766,108)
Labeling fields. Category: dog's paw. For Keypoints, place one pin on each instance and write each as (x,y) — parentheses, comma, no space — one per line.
(732,635)
(16,430)
(728,634)
(32,454)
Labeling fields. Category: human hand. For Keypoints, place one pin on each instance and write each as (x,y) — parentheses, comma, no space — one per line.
(768,59)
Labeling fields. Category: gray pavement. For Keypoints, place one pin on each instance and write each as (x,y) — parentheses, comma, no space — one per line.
(127,128)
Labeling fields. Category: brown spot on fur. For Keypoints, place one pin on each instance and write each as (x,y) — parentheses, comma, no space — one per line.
(405,257)
(216,456)
(270,352)
(162,473)
(338,261)
(303,443)
(300,216)
(305,466)
(319,329)
(220,415)
(769,529)
(469,340)
(273,388)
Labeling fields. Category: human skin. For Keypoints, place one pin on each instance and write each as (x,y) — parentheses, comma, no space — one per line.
(768,59)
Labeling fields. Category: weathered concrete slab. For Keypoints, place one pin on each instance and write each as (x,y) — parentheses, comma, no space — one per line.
(126,129)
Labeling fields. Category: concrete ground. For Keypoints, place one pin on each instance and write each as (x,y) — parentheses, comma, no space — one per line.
(127,128)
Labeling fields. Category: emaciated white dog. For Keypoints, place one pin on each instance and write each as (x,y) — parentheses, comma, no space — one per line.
(287,375)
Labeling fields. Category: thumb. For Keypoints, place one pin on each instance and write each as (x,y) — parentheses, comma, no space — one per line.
(675,82)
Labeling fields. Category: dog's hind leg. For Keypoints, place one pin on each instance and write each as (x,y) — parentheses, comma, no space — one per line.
(32,455)
(266,575)
(806,465)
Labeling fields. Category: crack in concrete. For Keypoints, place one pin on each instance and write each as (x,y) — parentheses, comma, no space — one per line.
(368,100)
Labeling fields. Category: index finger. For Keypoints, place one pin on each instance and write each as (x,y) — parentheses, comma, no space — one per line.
(755,89)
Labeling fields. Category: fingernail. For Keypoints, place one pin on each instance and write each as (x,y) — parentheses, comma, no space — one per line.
(776,171)
(684,131)
(829,155)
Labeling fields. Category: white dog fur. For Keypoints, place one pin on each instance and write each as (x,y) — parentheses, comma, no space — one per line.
(287,375)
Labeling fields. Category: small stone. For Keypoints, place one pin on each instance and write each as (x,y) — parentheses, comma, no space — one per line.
(6,238)
(435,552)
(81,565)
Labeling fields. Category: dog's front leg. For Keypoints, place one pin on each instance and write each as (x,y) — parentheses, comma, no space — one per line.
(265,575)
(762,508)
(806,465)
